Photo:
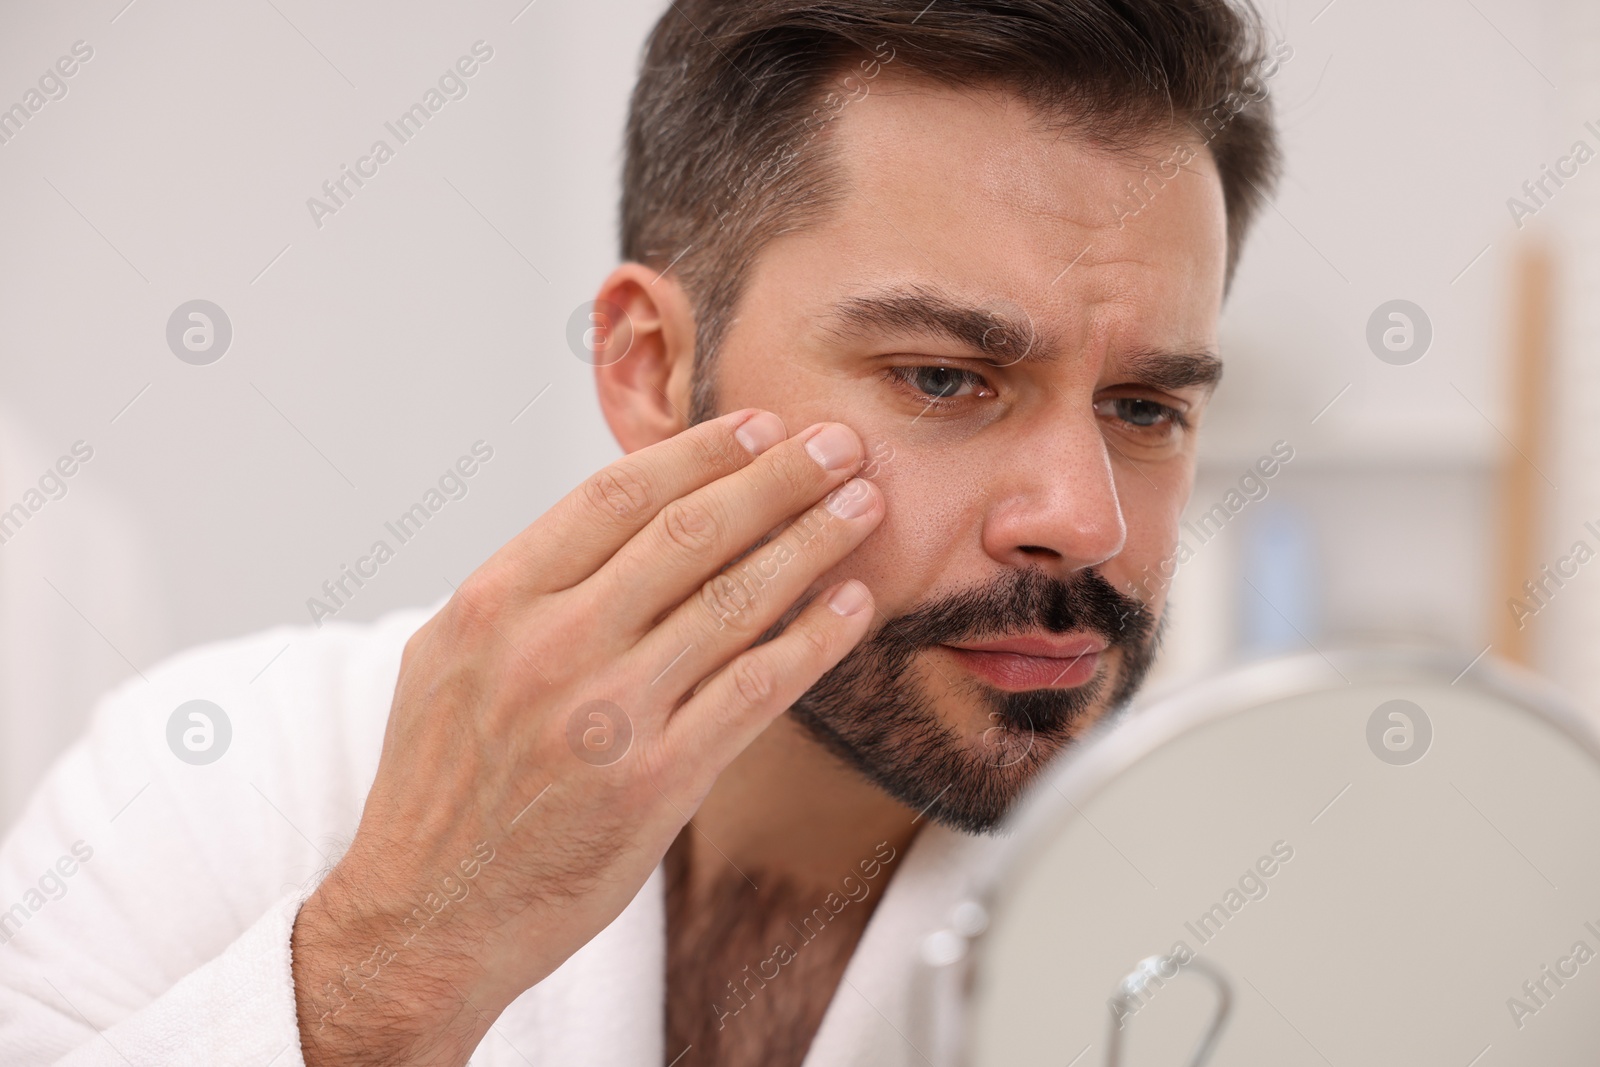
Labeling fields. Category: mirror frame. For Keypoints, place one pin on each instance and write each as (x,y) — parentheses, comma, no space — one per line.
(946,967)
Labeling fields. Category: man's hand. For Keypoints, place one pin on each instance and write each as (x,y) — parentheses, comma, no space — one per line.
(561,718)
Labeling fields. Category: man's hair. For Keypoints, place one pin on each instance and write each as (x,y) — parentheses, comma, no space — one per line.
(727,142)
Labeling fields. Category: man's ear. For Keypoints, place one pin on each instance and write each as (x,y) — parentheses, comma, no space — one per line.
(643,349)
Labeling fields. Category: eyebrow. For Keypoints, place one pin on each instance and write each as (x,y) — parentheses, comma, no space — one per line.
(1005,338)
(1161,369)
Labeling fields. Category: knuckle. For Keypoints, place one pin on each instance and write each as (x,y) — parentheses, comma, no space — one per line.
(725,598)
(798,476)
(771,561)
(752,681)
(480,603)
(689,527)
(711,451)
(818,642)
(619,490)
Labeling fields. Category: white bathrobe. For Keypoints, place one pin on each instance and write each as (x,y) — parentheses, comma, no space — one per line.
(148,902)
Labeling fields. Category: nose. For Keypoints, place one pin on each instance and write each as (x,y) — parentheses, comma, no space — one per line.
(1054,503)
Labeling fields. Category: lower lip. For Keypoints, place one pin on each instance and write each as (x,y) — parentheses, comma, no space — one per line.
(1010,670)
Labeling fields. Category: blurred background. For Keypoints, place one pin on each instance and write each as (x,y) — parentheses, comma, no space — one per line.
(1440,449)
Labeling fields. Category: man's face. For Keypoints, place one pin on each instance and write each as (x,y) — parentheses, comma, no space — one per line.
(1035,451)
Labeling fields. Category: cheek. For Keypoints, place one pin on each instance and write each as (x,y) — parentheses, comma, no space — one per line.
(1152,514)
(761,365)
(930,533)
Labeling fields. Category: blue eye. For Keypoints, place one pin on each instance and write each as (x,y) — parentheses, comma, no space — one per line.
(940,383)
(1135,411)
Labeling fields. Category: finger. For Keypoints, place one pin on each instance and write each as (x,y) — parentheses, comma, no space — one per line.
(692,538)
(732,609)
(574,538)
(739,701)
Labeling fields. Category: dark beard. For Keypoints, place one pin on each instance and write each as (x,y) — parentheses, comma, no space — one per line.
(870,711)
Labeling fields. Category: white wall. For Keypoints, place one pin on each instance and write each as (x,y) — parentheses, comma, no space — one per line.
(364,361)
(1569,626)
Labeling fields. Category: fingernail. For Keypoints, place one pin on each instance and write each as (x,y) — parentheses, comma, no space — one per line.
(760,432)
(834,446)
(849,598)
(850,500)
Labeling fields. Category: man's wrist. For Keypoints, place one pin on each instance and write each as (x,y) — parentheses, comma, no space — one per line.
(373,985)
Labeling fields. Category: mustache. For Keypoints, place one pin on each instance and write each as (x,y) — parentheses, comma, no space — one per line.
(871,711)
(1027,601)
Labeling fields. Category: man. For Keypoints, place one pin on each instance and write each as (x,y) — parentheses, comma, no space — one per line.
(915,329)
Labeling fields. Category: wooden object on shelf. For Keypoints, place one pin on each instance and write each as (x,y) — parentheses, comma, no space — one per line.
(1521,494)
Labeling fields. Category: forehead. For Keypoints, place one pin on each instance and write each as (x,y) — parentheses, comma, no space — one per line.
(970,192)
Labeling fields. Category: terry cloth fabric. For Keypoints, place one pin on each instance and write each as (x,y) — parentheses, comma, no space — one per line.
(148,902)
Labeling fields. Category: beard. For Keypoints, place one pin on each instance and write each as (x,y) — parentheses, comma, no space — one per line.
(872,709)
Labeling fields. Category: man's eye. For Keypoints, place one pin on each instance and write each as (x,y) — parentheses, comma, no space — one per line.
(941,383)
(1138,412)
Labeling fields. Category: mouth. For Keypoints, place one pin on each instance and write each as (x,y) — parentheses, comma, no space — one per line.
(1019,664)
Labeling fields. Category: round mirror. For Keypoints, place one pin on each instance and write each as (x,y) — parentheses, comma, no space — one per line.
(1369,858)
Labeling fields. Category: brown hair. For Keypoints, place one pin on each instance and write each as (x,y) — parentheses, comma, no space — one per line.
(723,154)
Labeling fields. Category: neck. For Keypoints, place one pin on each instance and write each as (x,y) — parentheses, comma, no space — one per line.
(788,808)
(768,895)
